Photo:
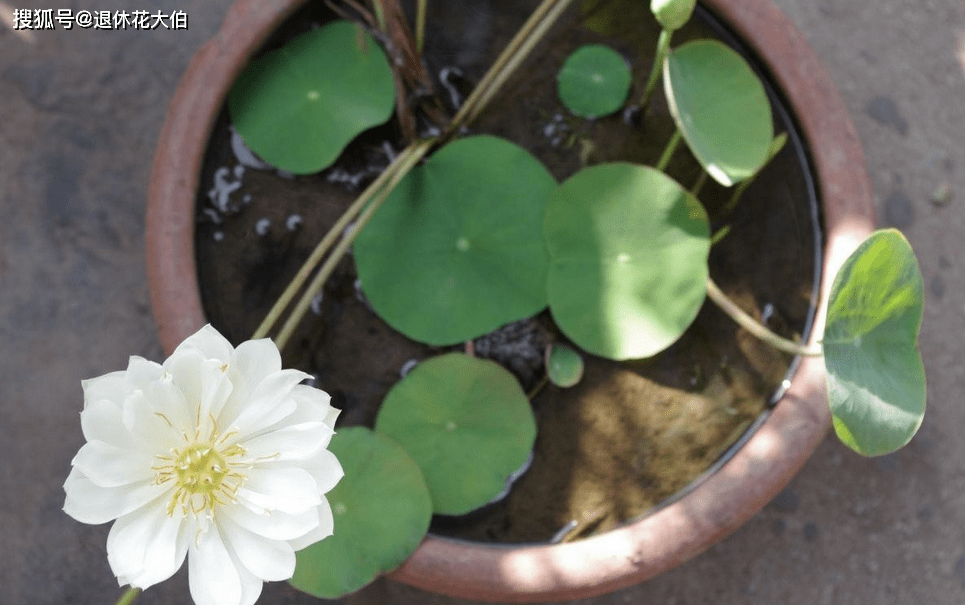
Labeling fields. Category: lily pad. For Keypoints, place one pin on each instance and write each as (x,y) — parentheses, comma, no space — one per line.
(299,106)
(875,374)
(466,422)
(457,250)
(720,107)
(594,81)
(381,509)
(628,248)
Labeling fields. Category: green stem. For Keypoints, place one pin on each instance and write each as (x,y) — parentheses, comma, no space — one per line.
(420,24)
(318,253)
(758,329)
(668,151)
(129,595)
(776,146)
(695,190)
(515,52)
(405,164)
(379,14)
(663,47)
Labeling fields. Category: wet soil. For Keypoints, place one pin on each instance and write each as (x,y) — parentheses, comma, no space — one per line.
(631,435)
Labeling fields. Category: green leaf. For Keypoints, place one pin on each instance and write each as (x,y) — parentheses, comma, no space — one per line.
(720,106)
(564,366)
(299,106)
(457,250)
(875,374)
(628,248)
(672,14)
(466,422)
(594,81)
(381,509)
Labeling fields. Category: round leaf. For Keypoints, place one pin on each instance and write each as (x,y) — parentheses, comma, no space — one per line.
(564,366)
(299,106)
(381,509)
(628,248)
(875,375)
(466,422)
(457,250)
(594,81)
(721,108)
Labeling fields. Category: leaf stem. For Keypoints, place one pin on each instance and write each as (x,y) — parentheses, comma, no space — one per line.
(669,150)
(663,47)
(420,24)
(758,329)
(318,253)
(406,161)
(776,146)
(515,52)
(129,595)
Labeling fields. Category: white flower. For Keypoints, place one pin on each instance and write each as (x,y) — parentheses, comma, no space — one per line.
(218,455)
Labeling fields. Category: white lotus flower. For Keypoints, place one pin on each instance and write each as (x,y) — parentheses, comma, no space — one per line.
(218,455)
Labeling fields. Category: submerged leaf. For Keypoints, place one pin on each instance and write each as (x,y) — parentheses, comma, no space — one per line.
(875,374)
(299,106)
(564,366)
(381,510)
(628,248)
(467,423)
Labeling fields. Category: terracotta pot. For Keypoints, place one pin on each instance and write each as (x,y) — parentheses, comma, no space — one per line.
(654,544)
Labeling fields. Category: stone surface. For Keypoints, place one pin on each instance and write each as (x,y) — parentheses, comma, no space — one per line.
(80,112)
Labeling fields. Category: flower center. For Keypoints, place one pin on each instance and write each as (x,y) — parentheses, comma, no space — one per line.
(204,476)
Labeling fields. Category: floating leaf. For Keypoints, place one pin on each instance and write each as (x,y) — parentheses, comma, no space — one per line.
(720,106)
(467,423)
(594,81)
(457,250)
(299,106)
(381,508)
(628,248)
(875,375)
(564,366)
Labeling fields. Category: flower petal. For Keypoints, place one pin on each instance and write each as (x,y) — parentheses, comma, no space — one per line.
(147,546)
(325,468)
(271,560)
(209,342)
(213,575)
(141,372)
(278,525)
(289,490)
(326,527)
(107,465)
(90,503)
(269,403)
(112,387)
(101,420)
(297,442)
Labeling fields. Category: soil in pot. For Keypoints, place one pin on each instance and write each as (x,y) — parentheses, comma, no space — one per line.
(631,435)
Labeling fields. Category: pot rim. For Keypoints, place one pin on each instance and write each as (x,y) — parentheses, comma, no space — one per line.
(644,548)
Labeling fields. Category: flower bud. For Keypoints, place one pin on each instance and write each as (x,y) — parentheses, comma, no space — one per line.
(672,14)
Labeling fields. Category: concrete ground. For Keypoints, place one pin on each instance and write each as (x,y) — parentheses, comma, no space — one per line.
(80,112)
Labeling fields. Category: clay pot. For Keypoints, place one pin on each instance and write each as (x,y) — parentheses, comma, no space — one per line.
(675,533)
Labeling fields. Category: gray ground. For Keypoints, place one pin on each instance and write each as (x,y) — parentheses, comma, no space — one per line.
(80,112)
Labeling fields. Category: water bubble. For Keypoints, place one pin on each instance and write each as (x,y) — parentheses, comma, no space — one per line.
(218,235)
(244,155)
(316,304)
(293,222)
(262,226)
(407,367)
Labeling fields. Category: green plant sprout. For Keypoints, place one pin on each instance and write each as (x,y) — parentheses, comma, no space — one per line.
(460,236)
